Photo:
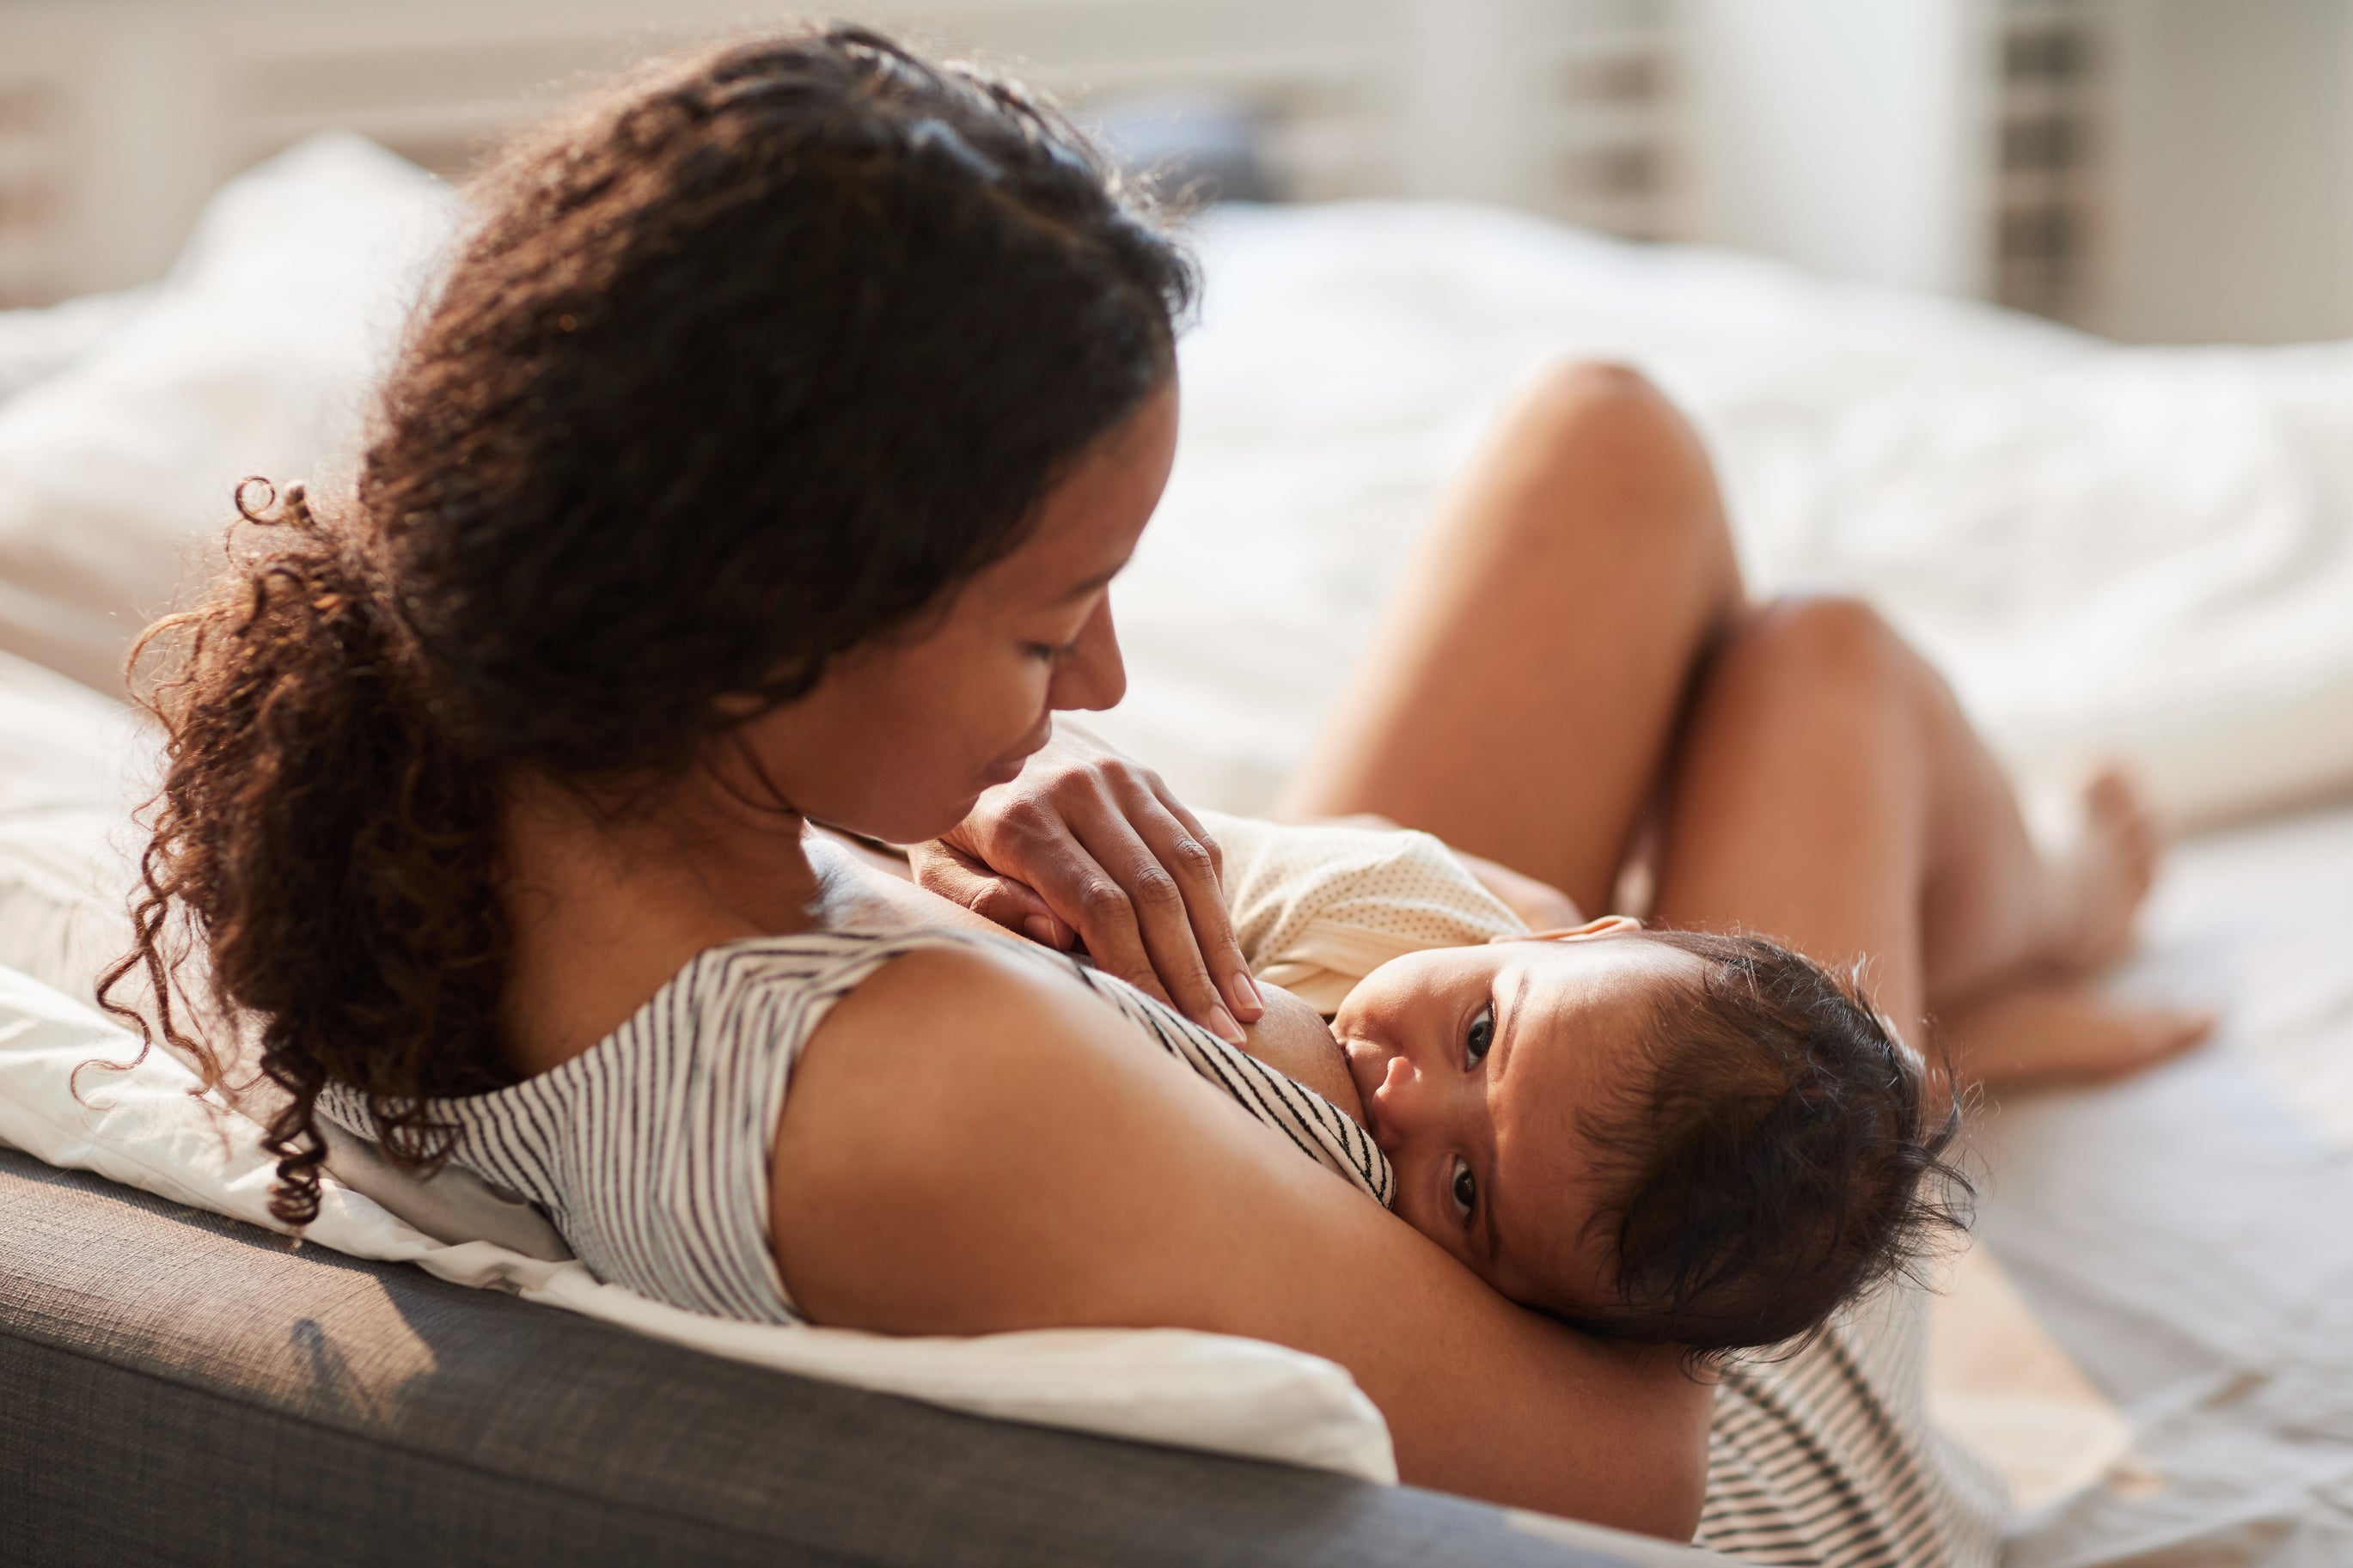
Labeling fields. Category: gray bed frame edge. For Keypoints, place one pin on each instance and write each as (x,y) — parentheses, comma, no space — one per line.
(179,1387)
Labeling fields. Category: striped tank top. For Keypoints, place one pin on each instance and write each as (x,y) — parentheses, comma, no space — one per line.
(651,1151)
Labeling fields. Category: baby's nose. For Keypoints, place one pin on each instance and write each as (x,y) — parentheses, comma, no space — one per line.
(1397,1111)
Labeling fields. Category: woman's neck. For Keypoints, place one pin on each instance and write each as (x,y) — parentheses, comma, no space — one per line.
(605,907)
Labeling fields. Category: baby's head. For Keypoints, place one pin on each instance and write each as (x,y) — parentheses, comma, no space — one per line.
(1707,1140)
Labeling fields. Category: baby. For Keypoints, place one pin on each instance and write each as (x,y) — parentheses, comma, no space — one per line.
(1706,1140)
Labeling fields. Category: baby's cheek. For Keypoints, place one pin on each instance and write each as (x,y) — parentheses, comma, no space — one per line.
(1569,1282)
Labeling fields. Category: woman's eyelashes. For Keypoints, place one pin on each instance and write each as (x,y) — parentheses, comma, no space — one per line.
(1481,1034)
(1463,1190)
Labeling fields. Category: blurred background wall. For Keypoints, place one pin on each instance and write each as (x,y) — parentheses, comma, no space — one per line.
(2157,170)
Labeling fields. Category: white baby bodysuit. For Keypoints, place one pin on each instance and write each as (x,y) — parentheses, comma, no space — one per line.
(1316,909)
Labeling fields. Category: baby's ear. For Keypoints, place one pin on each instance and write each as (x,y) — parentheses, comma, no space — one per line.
(1607,925)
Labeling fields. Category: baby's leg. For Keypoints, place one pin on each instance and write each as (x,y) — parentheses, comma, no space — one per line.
(1831,794)
(1522,692)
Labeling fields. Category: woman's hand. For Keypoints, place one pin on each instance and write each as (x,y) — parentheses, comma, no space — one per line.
(1089,847)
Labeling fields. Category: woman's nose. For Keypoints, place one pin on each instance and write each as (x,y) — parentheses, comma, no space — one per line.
(1091,676)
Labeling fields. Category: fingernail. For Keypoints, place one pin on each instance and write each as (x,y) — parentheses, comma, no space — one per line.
(1245,992)
(1222,1024)
(1040,929)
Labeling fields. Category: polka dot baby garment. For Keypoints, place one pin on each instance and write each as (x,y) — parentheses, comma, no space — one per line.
(1316,909)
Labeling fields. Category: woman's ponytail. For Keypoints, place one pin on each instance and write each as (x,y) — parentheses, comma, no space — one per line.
(741,365)
(325,838)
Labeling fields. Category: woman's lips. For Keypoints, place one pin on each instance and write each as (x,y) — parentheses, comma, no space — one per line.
(1008,768)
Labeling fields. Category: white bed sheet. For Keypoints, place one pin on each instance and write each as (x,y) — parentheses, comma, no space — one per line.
(2183,1236)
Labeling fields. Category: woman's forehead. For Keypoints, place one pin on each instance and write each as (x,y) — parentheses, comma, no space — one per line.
(1090,519)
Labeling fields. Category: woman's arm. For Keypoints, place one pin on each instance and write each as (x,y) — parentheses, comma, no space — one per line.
(971,1147)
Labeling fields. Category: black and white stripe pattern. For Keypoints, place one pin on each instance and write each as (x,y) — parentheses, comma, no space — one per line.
(1827,1458)
(651,1152)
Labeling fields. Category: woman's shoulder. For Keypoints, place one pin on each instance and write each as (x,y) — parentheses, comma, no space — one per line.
(817,958)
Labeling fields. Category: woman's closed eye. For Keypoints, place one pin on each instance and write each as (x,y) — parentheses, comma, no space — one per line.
(1481,1034)
(1463,1190)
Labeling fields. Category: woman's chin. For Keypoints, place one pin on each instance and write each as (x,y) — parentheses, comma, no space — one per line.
(906,826)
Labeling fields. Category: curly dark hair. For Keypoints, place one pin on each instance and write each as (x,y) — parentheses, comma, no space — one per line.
(741,363)
(1779,1158)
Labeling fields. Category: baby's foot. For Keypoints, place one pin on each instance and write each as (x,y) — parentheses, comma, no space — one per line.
(2064,1033)
(2098,881)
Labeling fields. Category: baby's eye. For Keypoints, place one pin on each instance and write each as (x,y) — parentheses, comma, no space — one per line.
(1465,1190)
(1481,1035)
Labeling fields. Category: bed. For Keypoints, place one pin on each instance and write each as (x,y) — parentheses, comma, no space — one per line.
(2146,552)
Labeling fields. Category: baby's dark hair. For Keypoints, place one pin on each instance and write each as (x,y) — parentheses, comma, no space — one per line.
(1777,1162)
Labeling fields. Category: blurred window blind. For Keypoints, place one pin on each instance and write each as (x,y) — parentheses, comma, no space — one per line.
(1565,107)
(2047,217)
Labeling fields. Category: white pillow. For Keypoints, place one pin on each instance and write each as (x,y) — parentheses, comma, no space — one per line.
(72,764)
(251,358)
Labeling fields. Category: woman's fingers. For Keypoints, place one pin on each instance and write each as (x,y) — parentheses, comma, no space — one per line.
(1200,866)
(1112,855)
(957,877)
(1153,915)
(1097,844)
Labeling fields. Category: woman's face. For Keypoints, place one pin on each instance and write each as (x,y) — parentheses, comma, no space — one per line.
(903,734)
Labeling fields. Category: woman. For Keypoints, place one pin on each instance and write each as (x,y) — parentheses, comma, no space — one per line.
(764,462)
